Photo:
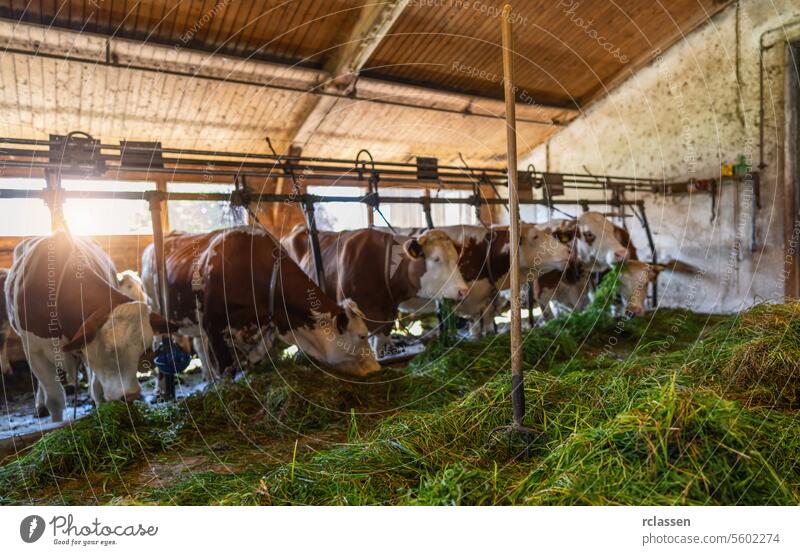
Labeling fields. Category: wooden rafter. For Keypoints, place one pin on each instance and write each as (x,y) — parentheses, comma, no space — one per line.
(374,22)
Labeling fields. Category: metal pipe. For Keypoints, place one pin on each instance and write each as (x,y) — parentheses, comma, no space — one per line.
(46,194)
(761,49)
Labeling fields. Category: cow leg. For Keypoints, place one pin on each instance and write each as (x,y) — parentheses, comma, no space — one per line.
(200,345)
(487,319)
(476,327)
(95,389)
(5,364)
(219,354)
(41,408)
(52,392)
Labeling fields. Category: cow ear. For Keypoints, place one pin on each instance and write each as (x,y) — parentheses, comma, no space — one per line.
(341,321)
(88,331)
(658,267)
(413,248)
(158,323)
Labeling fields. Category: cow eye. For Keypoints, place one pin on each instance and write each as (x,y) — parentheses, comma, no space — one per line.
(437,259)
(589,235)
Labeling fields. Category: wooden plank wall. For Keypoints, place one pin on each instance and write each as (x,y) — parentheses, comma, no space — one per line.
(125,250)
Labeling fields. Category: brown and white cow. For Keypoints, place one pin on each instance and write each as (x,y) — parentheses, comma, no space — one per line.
(64,305)
(574,288)
(485,260)
(235,290)
(380,270)
(598,244)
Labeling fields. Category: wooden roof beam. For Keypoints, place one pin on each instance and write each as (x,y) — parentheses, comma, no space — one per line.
(343,68)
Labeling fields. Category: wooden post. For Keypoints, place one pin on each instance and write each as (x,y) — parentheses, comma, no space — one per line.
(161,186)
(55,201)
(158,248)
(517,388)
(166,382)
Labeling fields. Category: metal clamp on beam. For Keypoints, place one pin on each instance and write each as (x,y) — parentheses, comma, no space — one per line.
(77,153)
(141,154)
(241,195)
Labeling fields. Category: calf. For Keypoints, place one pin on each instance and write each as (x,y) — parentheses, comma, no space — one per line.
(63,303)
(235,290)
(381,270)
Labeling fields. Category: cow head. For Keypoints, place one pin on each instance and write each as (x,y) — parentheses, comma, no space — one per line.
(540,251)
(340,340)
(634,278)
(111,343)
(130,284)
(602,246)
(441,277)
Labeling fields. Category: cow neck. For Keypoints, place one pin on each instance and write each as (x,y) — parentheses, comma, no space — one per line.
(405,282)
(498,258)
(295,307)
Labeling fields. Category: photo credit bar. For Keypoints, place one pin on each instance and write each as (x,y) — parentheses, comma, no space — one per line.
(401,530)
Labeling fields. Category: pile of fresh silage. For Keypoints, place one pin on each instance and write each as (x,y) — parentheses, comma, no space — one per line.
(645,411)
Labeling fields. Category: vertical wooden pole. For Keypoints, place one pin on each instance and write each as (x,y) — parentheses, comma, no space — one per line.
(158,248)
(161,187)
(166,382)
(517,389)
(55,200)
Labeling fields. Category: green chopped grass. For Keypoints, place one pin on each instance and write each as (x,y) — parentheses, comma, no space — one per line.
(674,408)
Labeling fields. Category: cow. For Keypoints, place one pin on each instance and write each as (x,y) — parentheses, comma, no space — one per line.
(597,243)
(63,303)
(380,270)
(484,261)
(574,288)
(235,290)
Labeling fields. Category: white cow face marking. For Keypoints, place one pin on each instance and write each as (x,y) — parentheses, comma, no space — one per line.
(634,278)
(442,278)
(602,247)
(540,252)
(112,353)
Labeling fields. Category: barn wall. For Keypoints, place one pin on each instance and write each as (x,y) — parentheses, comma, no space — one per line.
(681,117)
(125,250)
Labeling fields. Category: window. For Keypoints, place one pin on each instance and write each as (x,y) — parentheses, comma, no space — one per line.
(203,215)
(107,216)
(412,215)
(338,216)
(453,213)
(23,216)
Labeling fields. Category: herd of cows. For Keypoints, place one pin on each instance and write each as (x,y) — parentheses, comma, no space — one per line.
(234,292)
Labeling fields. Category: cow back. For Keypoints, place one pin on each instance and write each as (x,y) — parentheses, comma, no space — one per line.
(56,282)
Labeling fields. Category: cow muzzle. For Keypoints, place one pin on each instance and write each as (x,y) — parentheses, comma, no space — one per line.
(620,255)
